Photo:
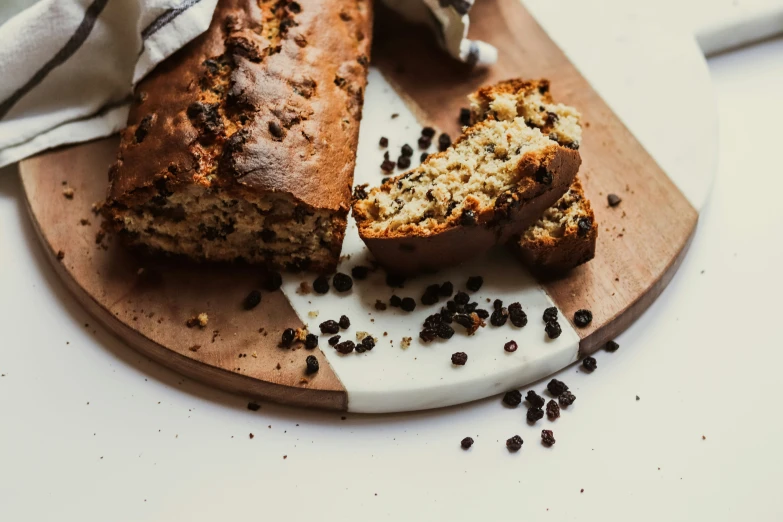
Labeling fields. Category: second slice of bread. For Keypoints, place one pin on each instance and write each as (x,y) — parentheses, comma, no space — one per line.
(562,238)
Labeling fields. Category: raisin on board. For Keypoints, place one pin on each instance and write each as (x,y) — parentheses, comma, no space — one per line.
(566,399)
(311,341)
(288,337)
(534,399)
(474,283)
(582,318)
(252,300)
(514,443)
(513,398)
(552,410)
(556,387)
(553,329)
(342,282)
(534,414)
(312,364)
(459,358)
(321,284)
(329,327)
(550,314)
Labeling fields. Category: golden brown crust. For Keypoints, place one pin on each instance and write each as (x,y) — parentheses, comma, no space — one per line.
(268,100)
(572,246)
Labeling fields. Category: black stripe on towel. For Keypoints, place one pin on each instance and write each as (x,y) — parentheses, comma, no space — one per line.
(70,47)
(164,19)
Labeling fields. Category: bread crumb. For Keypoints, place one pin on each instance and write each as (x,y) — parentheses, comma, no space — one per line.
(312,313)
(300,334)
(254,355)
(361,335)
(251,436)
(68,193)
(194,348)
(198,320)
(304,288)
(405,343)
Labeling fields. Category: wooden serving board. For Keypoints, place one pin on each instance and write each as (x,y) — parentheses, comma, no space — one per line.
(147,302)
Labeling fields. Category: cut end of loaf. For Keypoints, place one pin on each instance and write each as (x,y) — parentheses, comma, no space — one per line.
(209,225)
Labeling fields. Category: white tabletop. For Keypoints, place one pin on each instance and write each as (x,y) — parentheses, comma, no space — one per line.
(91,431)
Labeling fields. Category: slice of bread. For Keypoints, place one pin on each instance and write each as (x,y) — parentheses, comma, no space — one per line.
(490,185)
(563,237)
(566,233)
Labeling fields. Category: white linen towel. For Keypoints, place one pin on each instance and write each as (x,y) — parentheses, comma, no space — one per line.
(69,66)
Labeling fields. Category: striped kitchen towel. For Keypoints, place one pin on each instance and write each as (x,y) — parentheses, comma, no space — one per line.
(68,66)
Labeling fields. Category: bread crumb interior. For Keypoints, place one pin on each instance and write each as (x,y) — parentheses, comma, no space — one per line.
(470,175)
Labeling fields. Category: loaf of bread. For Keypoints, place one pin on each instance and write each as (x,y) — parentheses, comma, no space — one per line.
(242,145)
(490,185)
(565,235)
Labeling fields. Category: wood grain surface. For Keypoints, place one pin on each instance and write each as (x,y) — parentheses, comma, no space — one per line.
(640,245)
(147,302)
(640,242)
